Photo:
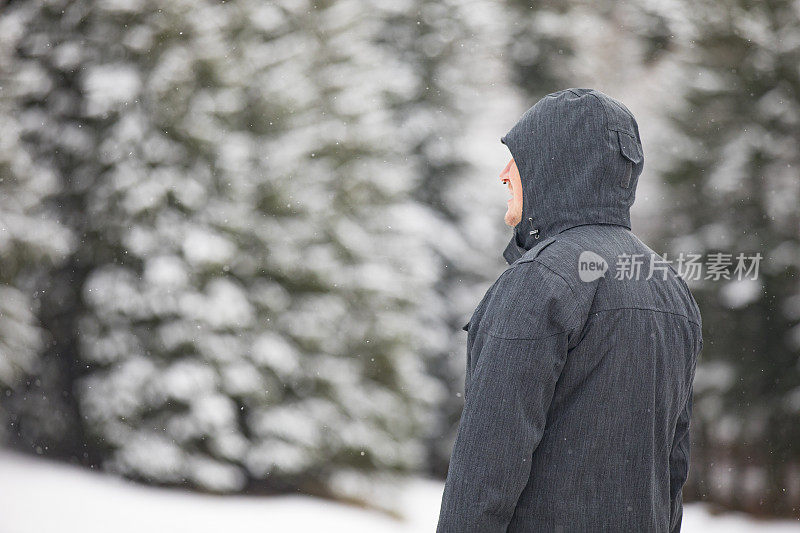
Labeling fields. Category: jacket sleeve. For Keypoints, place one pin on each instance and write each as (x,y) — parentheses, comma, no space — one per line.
(679,465)
(519,351)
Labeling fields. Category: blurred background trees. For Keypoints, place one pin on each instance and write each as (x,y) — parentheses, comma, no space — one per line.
(240,238)
(32,241)
(734,188)
(248,306)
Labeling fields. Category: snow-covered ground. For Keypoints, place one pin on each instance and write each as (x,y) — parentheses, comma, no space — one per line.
(39,496)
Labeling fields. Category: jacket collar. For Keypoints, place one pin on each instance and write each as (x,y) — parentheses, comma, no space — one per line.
(513,251)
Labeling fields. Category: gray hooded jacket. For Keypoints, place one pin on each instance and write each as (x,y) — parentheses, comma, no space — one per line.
(581,355)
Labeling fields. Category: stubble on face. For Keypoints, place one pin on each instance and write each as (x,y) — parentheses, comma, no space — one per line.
(510,177)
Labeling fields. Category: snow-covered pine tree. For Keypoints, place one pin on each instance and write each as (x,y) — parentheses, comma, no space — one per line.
(734,188)
(31,240)
(456,53)
(249,297)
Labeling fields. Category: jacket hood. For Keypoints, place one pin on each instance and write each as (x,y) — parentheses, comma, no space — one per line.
(579,157)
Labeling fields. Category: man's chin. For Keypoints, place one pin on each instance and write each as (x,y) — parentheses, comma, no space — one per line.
(511,221)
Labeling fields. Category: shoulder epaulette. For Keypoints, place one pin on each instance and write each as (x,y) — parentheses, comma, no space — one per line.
(531,254)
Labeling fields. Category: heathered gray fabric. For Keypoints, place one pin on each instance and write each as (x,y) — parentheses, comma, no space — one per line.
(578,394)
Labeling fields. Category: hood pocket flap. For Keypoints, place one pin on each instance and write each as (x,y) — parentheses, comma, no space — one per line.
(629,148)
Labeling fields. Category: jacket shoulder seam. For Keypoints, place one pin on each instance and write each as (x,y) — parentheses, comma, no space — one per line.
(496,336)
(688,318)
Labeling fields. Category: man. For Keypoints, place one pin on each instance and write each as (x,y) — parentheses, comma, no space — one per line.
(578,389)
